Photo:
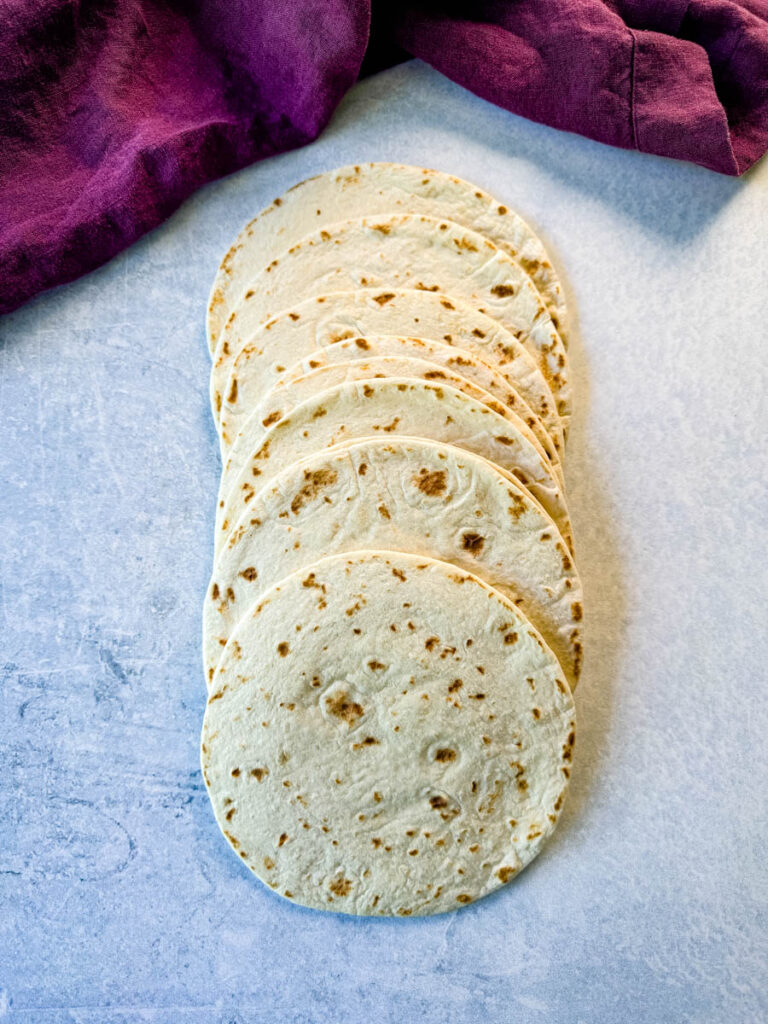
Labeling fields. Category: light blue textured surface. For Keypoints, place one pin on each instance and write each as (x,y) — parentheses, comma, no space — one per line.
(119,900)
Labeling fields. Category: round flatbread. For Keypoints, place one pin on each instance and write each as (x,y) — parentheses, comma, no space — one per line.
(241,377)
(278,402)
(365,190)
(407,251)
(440,501)
(387,735)
(441,357)
(387,408)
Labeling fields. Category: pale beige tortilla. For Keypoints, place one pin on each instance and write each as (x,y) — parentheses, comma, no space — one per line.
(278,402)
(386,734)
(365,190)
(442,358)
(239,378)
(390,407)
(407,251)
(441,501)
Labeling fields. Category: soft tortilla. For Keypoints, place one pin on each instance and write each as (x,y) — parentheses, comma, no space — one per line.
(437,354)
(408,251)
(365,190)
(278,402)
(389,407)
(386,735)
(441,501)
(239,378)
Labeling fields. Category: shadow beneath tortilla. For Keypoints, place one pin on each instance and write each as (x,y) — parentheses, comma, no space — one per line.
(598,559)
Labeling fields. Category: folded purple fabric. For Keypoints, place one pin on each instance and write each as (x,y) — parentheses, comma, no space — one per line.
(113,111)
(680,78)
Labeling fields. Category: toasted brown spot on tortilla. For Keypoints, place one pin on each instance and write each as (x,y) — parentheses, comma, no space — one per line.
(465,243)
(314,481)
(530,265)
(375,666)
(566,562)
(431,642)
(445,754)
(215,592)
(249,574)
(259,773)
(510,638)
(369,741)
(362,343)
(383,228)
(340,706)
(430,483)
(399,574)
(384,298)
(272,418)
(473,542)
(325,236)
(384,512)
(503,291)
(464,898)
(341,886)
(283,649)
(568,746)
(576,611)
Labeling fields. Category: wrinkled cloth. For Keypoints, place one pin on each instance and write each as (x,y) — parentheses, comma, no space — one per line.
(113,111)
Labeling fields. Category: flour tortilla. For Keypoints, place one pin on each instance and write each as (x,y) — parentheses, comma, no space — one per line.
(282,399)
(370,190)
(406,252)
(387,408)
(455,361)
(441,501)
(240,378)
(299,387)
(376,743)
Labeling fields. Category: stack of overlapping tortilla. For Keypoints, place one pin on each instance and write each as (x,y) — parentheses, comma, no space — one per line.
(392,630)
